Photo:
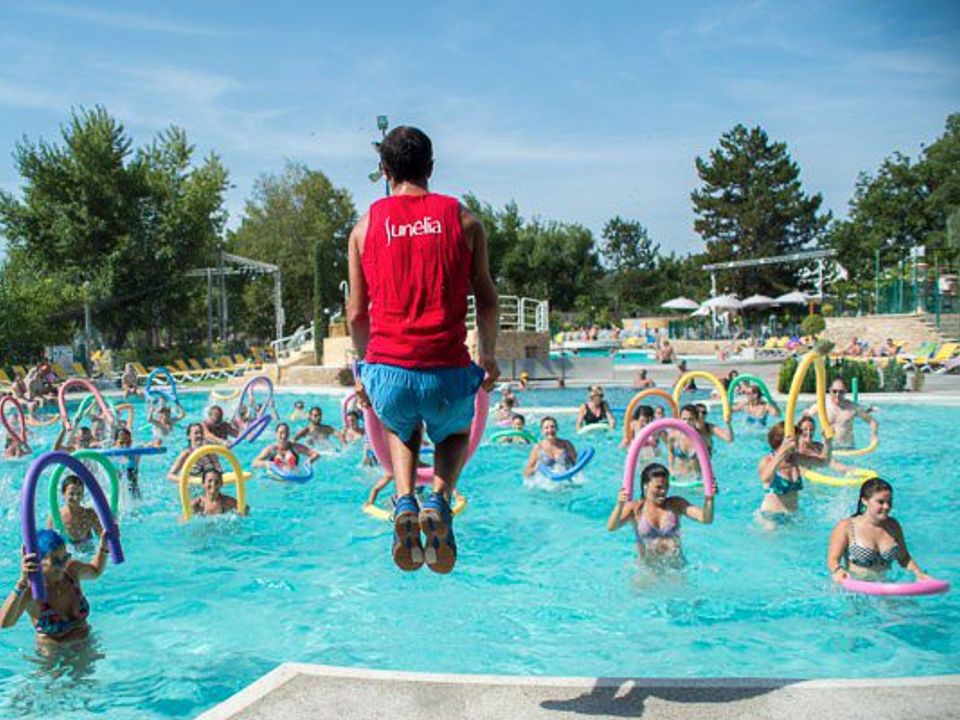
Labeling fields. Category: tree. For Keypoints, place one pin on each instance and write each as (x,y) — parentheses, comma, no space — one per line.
(31,311)
(940,167)
(300,222)
(751,205)
(502,228)
(631,256)
(124,224)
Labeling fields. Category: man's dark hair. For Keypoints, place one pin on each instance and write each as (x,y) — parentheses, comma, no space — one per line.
(406,153)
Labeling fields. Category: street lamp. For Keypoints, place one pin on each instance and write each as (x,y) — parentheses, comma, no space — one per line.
(382,125)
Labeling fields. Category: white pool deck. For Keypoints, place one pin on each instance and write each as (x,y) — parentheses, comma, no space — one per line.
(297,691)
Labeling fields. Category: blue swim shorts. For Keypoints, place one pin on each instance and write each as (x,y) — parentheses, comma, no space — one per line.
(440,397)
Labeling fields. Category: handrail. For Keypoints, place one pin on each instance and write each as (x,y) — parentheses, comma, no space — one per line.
(522,314)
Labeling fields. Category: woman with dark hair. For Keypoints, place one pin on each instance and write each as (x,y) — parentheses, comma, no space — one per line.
(656,515)
(282,453)
(780,472)
(870,540)
(195,439)
(643,415)
(79,521)
(553,451)
(213,501)
(756,409)
(63,615)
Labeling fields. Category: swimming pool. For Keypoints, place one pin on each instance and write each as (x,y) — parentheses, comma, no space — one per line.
(200,610)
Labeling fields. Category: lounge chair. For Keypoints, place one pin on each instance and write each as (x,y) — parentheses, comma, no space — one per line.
(217,369)
(21,371)
(187,374)
(200,370)
(921,357)
(946,353)
(949,366)
(142,372)
(229,365)
(79,371)
(243,362)
(5,382)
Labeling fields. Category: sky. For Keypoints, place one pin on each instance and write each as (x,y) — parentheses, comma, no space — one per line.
(577,111)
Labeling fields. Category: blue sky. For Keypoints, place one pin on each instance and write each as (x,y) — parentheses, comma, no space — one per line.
(578,111)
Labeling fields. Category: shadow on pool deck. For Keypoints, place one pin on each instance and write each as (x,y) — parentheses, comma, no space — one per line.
(619,697)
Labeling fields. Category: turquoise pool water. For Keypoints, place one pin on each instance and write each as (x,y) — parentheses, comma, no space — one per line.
(200,610)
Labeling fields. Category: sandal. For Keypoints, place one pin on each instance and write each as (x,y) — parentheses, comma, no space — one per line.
(436,522)
(407,550)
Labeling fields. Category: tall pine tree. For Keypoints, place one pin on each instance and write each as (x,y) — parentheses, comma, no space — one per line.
(751,205)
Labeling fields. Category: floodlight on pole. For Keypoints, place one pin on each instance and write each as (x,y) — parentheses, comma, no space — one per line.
(382,125)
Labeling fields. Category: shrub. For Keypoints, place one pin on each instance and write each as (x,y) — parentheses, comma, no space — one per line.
(813,325)
(894,377)
(867,374)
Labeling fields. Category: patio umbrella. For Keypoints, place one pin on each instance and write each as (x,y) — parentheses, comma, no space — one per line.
(793,298)
(758,301)
(702,311)
(681,303)
(723,302)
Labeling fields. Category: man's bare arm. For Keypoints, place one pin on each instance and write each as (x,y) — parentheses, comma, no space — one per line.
(358,305)
(485,293)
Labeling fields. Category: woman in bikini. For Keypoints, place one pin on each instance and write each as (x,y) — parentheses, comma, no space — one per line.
(79,521)
(213,501)
(595,410)
(870,541)
(195,439)
(554,452)
(62,617)
(780,473)
(283,453)
(656,516)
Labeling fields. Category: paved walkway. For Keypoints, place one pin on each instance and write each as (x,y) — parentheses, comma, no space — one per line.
(318,692)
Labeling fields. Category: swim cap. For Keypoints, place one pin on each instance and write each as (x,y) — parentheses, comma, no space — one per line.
(48,541)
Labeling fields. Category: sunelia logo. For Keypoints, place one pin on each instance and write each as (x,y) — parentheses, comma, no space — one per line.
(420,228)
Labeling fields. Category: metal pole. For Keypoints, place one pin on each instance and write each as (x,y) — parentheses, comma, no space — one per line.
(876,280)
(86,322)
(209,310)
(223,298)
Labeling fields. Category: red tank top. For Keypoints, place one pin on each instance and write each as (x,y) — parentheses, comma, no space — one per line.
(417,267)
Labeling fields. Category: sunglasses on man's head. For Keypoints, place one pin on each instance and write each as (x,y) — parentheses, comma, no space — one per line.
(60,561)
(837,391)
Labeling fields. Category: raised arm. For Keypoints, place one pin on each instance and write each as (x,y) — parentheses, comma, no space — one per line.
(622,512)
(703,514)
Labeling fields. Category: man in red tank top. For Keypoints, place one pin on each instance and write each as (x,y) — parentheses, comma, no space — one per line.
(414,258)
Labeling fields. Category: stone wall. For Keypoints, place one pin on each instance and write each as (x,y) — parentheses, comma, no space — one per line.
(875,329)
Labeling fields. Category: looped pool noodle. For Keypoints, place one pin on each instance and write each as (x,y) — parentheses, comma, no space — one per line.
(504,434)
(85,407)
(344,404)
(222,396)
(599,427)
(706,466)
(105,409)
(918,587)
(859,452)
(710,378)
(376,435)
(855,478)
(20,437)
(248,391)
(753,380)
(169,392)
(54,490)
(50,420)
(640,396)
(252,430)
(191,460)
(811,358)
(585,457)
(300,474)
(28,518)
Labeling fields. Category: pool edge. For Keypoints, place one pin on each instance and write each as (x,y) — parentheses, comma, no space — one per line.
(687,697)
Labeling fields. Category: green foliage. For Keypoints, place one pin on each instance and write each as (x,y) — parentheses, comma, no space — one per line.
(894,377)
(298,221)
(751,205)
(631,256)
(29,312)
(541,259)
(905,204)
(867,374)
(813,324)
(118,225)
